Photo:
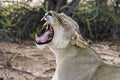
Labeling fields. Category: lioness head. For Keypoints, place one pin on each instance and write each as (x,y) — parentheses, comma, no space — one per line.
(61,31)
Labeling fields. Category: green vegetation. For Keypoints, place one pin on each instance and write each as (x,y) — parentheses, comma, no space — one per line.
(98,21)
(9,64)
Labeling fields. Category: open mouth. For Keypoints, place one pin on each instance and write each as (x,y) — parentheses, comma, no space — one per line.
(49,32)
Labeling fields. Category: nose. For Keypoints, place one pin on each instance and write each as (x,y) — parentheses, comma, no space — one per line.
(49,17)
(48,14)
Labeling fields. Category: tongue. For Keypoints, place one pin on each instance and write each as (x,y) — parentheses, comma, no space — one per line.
(44,38)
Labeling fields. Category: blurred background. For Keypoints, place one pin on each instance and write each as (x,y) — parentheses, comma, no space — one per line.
(99,20)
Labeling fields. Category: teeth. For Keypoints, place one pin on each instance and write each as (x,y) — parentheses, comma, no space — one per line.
(46,23)
(42,18)
(46,29)
(35,35)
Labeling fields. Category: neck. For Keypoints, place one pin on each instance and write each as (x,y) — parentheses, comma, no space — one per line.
(74,50)
(72,58)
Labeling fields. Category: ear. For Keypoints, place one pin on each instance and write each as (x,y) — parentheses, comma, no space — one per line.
(78,40)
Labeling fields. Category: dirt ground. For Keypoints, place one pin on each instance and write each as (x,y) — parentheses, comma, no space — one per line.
(27,62)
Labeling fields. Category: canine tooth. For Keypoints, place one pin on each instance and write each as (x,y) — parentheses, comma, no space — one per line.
(46,29)
(35,35)
(42,18)
(46,23)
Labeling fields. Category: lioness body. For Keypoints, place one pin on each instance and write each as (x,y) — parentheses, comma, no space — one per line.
(74,63)
(75,60)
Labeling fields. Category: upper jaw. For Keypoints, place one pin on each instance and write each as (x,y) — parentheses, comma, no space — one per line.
(48,18)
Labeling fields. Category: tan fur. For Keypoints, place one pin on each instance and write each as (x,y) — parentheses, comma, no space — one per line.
(74,58)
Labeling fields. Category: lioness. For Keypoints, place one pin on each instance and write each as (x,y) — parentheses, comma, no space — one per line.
(75,60)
